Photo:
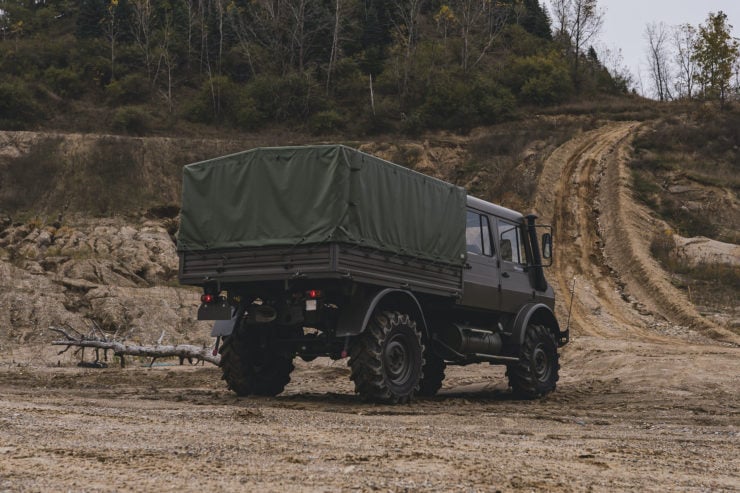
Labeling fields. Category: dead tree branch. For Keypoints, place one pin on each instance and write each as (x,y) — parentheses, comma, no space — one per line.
(73,338)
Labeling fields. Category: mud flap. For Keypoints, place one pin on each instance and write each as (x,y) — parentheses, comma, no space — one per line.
(223,328)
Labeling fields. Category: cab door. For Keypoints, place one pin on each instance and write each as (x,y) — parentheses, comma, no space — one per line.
(481,273)
(516,286)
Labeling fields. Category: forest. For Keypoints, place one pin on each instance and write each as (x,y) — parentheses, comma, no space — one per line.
(319,66)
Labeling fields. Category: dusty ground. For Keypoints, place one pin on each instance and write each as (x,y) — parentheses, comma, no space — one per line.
(647,401)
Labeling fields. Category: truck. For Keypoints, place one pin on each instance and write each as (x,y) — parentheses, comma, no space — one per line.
(324,250)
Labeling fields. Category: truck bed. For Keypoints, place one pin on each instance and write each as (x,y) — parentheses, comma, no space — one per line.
(324,261)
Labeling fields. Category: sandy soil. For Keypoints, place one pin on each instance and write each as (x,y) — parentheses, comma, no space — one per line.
(647,401)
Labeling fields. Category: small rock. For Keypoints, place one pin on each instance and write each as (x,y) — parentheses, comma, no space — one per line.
(44,239)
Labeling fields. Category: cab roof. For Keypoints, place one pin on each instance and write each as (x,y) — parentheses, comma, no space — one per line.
(496,210)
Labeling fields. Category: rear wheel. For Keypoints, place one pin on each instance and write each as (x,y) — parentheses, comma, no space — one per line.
(536,372)
(386,360)
(251,366)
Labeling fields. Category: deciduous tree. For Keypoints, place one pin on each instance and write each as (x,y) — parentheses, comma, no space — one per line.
(684,39)
(715,53)
(578,22)
(658,56)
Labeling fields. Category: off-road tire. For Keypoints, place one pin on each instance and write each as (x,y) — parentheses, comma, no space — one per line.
(386,360)
(433,373)
(250,369)
(536,372)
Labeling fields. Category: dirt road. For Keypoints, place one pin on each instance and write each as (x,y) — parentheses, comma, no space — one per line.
(647,401)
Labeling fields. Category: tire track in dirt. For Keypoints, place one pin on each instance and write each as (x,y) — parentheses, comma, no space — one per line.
(603,241)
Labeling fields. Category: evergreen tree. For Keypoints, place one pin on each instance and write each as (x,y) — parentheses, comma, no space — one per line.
(536,20)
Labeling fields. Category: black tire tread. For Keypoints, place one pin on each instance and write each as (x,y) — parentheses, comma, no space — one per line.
(243,378)
(433,373)
(521,374)
(365,358)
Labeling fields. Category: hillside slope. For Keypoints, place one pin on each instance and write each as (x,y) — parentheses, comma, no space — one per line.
(604,238)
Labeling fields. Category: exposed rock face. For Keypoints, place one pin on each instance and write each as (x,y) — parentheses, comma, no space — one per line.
(121,276)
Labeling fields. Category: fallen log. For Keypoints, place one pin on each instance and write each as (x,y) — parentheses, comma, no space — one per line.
(97,340)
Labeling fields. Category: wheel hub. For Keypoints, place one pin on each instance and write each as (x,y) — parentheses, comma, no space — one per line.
(396,360)
(541,364)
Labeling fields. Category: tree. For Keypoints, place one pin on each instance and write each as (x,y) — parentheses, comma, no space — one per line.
(535,20)
(658,56)
(577,22)
(112,30)
(684,39)
(481,22)
(715,53)
(142,30)
(406,22)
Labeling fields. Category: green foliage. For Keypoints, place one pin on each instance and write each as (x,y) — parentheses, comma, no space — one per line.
(132,120)
(540,79)
(64,81)
(288,97)
(18,108)
(132,88)
(535,20)
(244,65)
(716,53)
(325,122)
(224,102)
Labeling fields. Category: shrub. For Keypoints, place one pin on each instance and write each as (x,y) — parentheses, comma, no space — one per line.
(283,98)
(64,81)
(18,108)
(540,79)
(131,119)
(494,102)
(132,88)
(449,104)
(325,122)
(220,100)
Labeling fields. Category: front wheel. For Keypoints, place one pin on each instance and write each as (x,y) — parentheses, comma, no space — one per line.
(536,372)
(386,360)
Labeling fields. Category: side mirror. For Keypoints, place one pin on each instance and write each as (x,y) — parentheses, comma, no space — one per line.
(547,246)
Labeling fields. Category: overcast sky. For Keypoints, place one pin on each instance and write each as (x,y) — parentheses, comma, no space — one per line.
(625,21)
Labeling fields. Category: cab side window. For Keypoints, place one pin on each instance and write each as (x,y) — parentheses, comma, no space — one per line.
(478,234)
(512,248)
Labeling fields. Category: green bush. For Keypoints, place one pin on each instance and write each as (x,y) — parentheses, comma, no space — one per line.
(132,88)
(449,104)
(540,79)
(461,104)
(131,119)
(325,122)
(494,103)
(281,99)
(18,108)
(220,100)
(64,81)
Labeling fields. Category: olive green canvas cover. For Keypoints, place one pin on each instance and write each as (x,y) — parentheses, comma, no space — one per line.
(317,194)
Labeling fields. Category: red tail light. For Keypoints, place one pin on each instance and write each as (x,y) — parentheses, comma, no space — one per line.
(207,298)
(314,293)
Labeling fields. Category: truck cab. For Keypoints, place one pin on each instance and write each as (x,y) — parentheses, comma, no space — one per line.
(501,272)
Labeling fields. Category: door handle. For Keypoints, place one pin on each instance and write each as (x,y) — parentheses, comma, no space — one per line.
(505,274)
